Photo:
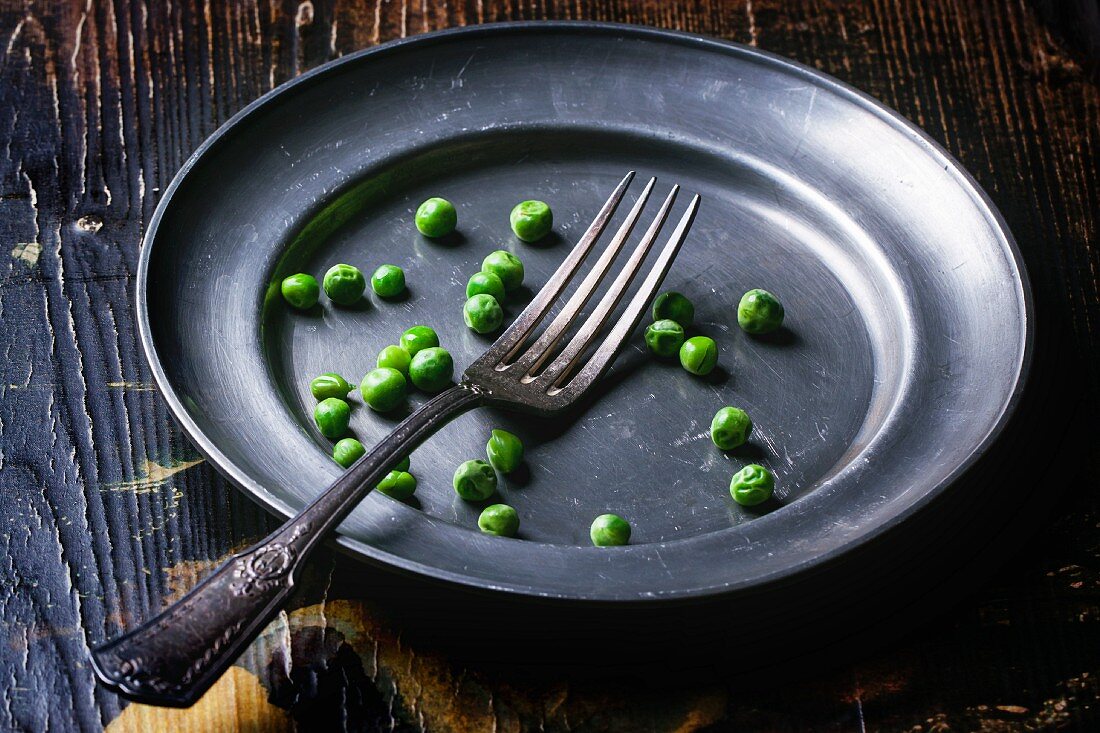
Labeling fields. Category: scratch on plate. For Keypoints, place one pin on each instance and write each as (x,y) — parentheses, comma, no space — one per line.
(457,81)
(805,122)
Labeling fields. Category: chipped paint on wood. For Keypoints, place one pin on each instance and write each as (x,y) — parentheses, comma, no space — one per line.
(27,252)
(434,694)
(152,476)
(133,386)
(237,703)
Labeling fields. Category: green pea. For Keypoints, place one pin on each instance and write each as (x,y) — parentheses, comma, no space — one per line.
(332,415)
(431,369)
(388,281)
(300,290)
(344,284)
(403,465)
(400,485)
(348,451)
(475,480)
(505,451)
(328,385)
(752,485)
(499,519)
(759,312)
(487,283)
(436,217)
(675,307)
(482,313)
(531,220)
(383,389)
(664,337)
(699,354)
(417,338)
(394,357)
(730,428)
(506,266)
(609,530)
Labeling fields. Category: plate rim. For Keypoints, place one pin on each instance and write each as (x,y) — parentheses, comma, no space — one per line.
(363,551)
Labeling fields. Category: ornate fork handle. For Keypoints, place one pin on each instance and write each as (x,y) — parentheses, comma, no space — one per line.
(174,657)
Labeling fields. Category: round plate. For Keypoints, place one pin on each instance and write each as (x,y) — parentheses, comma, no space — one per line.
(908,328)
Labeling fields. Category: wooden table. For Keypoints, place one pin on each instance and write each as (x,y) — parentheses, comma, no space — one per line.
(108,512)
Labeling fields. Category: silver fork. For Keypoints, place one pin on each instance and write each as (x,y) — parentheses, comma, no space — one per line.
(174,657)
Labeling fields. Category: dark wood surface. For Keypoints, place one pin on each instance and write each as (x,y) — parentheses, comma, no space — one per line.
(107,512)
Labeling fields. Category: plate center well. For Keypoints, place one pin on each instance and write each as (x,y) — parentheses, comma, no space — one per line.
(641,448)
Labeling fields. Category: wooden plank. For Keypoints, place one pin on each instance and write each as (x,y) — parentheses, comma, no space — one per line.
(108,512)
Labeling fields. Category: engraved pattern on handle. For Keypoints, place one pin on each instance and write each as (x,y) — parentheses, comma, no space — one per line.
(174,657)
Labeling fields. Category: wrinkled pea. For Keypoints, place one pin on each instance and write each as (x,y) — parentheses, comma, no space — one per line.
(499,519)
(475,480)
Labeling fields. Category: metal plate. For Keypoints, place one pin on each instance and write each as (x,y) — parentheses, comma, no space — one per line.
(909,316)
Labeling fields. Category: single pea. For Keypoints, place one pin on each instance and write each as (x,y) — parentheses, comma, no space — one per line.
(328,385)
(482,313)
(499,519)
(664,337)
(403,465)
(752,485)
(344,284)
(388,281)
(300,290)
(730,428)
(475,480)
(759,312)
(348,451)
(675,307)
(531,220)
(400,485)
(417,338)
(505,451)
(506,266)
(699,354)
(383,389)
(436,217)
(431,369)
(332,415)
(487,283)
(394,357)
(609,530)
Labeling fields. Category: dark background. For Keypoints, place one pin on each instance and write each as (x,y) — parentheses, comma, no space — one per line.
(107,512)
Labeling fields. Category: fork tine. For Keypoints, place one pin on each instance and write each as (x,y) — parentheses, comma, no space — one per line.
(604,355)
(516,334)
(542,348)
(610,300)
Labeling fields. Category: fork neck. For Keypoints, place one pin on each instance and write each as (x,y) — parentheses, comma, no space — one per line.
(330,508)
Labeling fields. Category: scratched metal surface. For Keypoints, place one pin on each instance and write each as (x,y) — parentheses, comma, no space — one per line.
(906,341)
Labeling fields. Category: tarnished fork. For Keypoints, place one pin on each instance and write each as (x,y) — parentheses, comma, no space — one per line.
(174,657)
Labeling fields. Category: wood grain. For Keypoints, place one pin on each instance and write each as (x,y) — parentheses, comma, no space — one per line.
(108,512)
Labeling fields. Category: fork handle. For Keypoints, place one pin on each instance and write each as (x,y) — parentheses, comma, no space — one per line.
(174,657)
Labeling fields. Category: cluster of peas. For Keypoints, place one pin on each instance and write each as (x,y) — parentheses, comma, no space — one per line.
(419,358)
(501,271)
(758,312)
(476,480)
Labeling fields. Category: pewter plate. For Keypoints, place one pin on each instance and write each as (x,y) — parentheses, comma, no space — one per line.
(906,344)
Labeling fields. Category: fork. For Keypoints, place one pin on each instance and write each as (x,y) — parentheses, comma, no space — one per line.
(174,657)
